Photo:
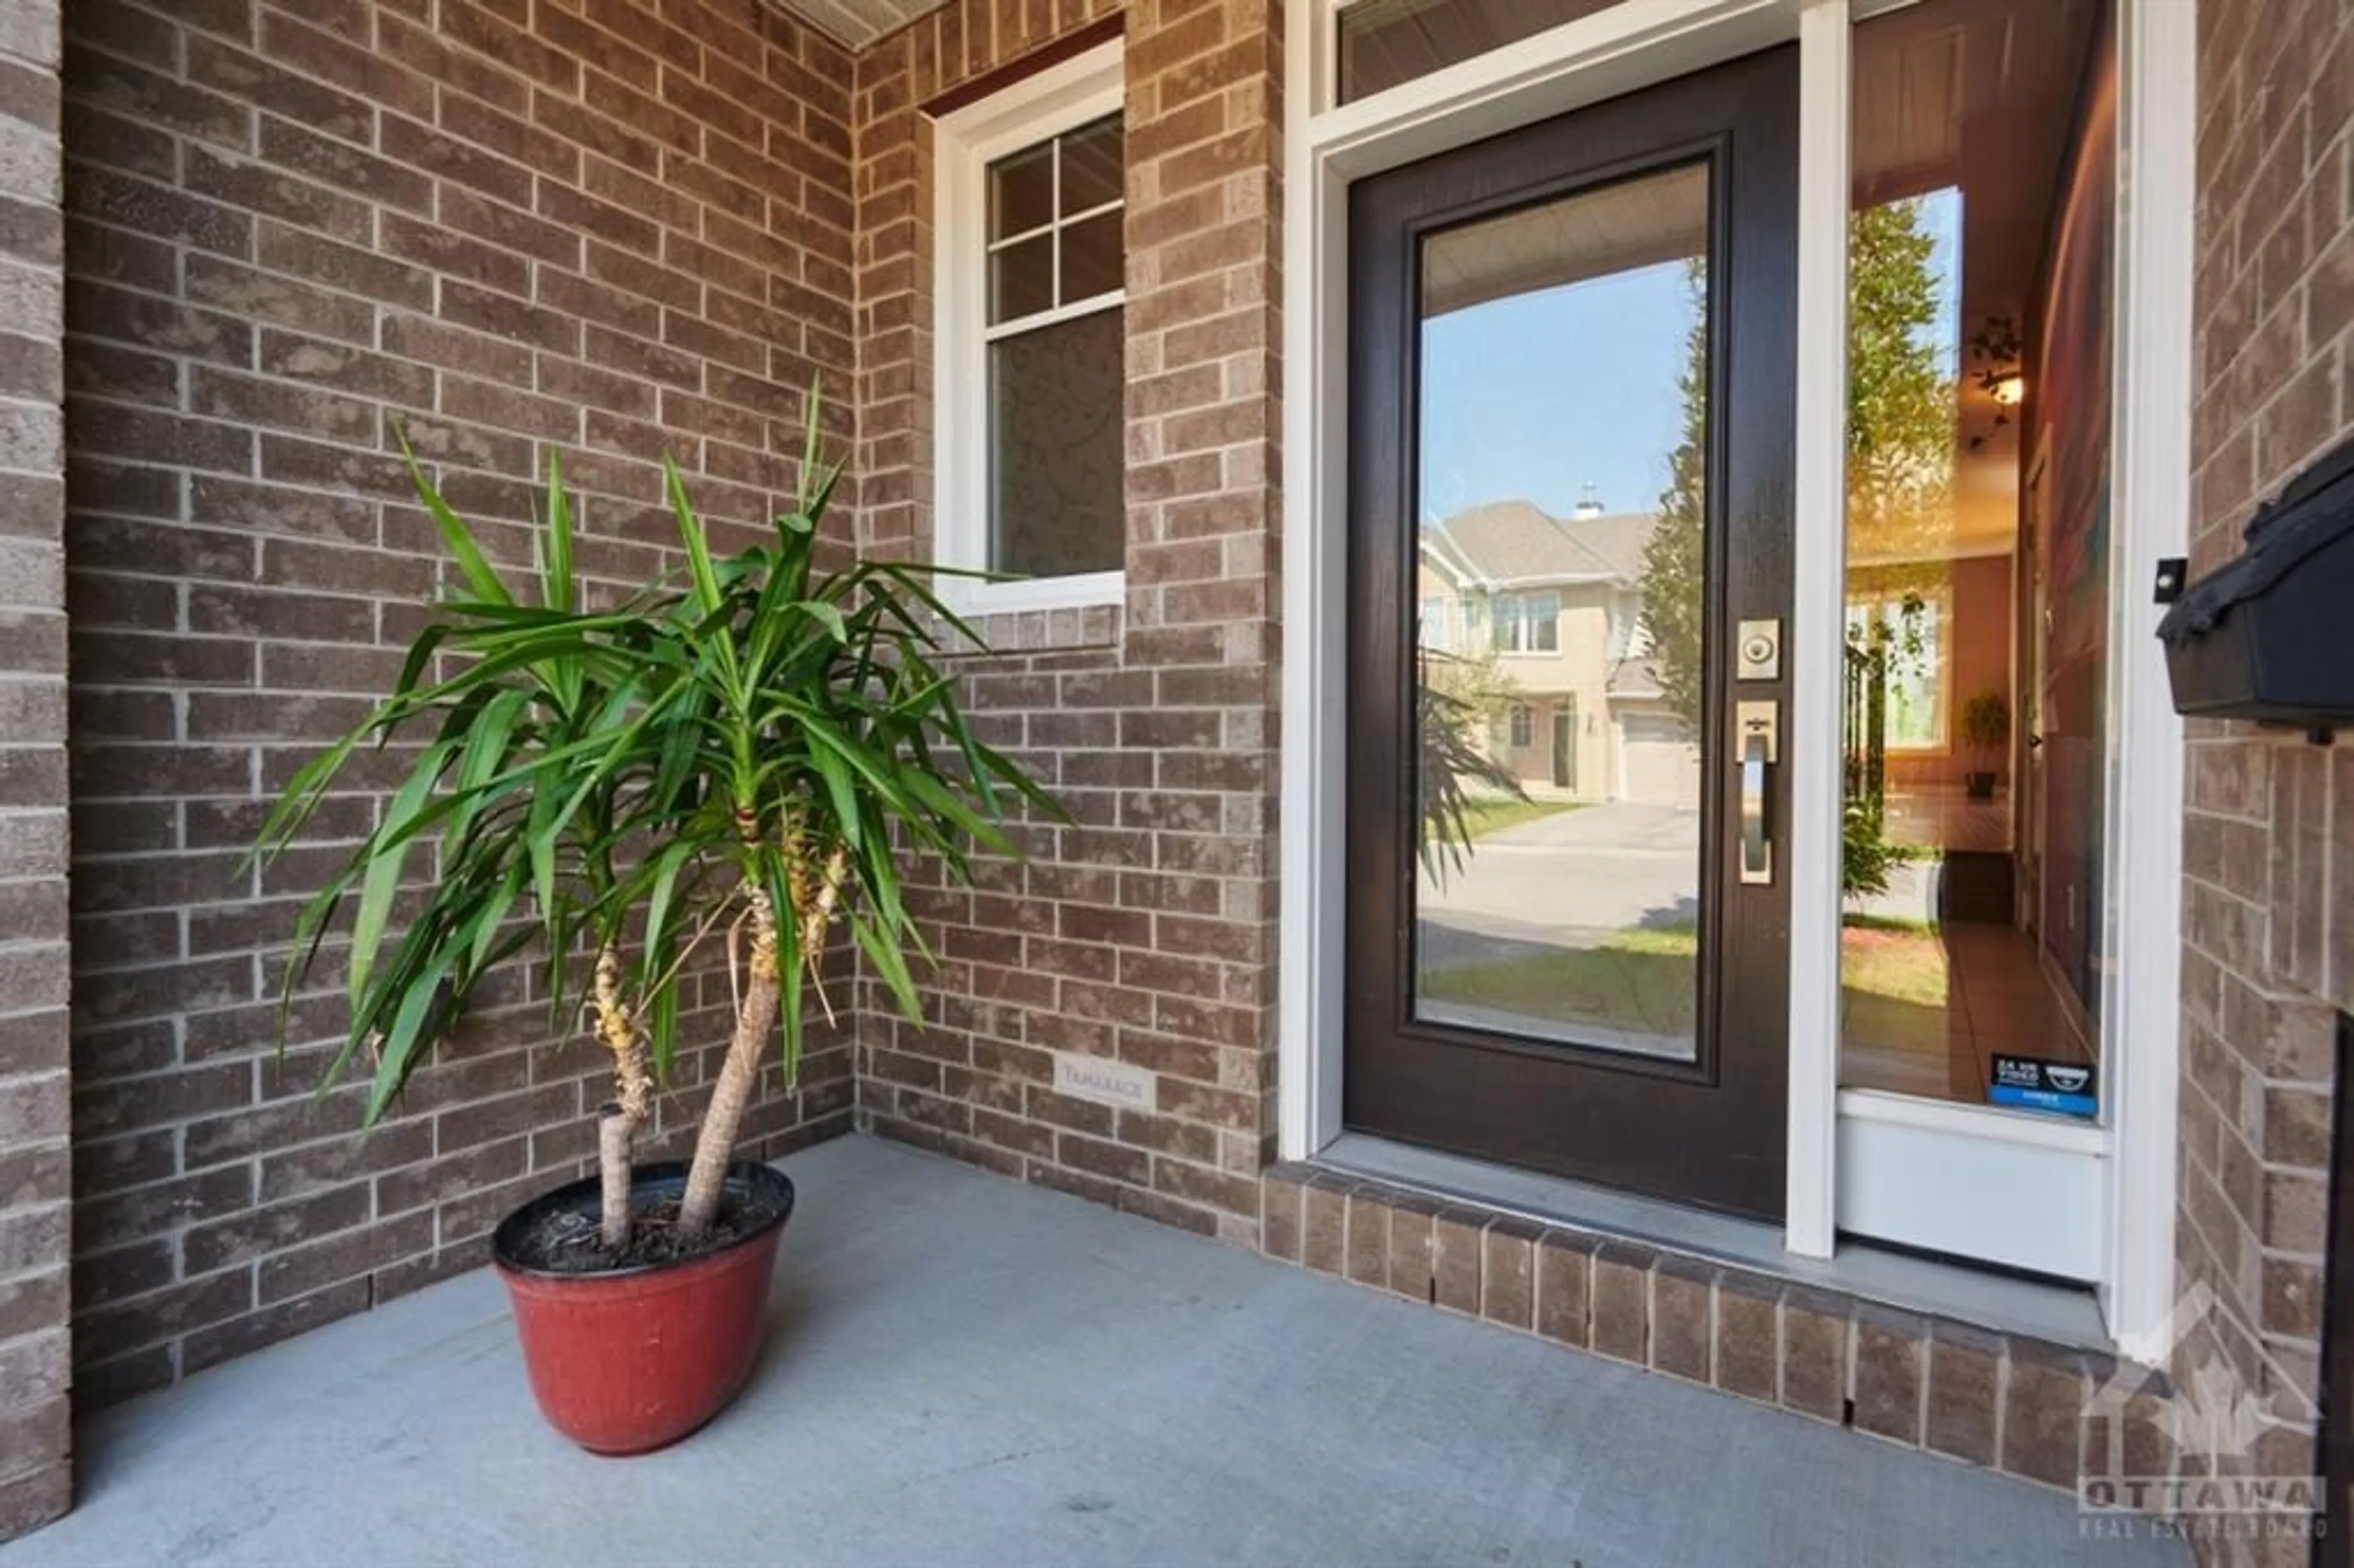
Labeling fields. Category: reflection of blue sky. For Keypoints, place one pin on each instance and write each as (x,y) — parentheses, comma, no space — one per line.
(1941,215)
(1534,397)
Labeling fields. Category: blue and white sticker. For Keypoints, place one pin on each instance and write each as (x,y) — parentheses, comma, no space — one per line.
(2037,1083)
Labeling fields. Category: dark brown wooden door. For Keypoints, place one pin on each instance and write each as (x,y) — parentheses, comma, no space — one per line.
(1571,357)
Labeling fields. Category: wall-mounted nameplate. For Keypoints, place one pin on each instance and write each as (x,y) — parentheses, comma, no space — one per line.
(1104,1082)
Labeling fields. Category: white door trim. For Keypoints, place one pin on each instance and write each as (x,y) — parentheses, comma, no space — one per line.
(1617,50)
(1816,640)
(2155,378)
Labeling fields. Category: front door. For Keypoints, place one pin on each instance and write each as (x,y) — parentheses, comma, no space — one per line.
(1572,350)
(1565,746)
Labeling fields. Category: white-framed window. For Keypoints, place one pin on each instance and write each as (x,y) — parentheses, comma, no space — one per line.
(1436,623)
(1470,624)
(1528,624)
(1905,634)
(1030,342)
(1524,724)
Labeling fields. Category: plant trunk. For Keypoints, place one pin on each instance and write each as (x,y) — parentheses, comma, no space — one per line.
(715,1141)
(614,1132)
(618,1121)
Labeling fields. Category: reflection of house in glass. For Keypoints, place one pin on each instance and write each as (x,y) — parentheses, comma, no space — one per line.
(1557,604)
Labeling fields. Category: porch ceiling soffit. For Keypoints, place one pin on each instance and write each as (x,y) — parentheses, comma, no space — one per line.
(858,22)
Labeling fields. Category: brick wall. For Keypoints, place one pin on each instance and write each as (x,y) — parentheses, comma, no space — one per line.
(1146,931)
(34,1224)
(603,226)
(2269,929)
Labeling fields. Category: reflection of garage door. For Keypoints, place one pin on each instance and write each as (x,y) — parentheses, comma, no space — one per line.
(1656,765)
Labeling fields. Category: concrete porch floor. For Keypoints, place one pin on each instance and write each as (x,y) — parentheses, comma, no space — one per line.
(963,1370)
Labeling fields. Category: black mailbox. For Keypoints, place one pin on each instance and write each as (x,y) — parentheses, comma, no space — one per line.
(2271,636)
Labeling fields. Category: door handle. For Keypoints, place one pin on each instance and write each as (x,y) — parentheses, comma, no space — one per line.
(1758,725)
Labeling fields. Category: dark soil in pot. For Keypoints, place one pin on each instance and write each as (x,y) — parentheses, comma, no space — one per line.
(558,1233)
(566,1241)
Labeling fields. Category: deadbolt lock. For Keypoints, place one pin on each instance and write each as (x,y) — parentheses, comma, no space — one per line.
(1760,650)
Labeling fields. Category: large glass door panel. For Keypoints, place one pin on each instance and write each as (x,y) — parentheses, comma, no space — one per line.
(1571,355)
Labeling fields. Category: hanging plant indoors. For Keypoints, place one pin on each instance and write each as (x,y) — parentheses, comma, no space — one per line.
(1995,350)
(720,768)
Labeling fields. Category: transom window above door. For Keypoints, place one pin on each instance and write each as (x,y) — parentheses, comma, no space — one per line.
(1029,500)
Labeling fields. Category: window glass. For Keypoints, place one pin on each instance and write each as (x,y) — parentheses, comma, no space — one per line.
(1093,167)
(1980,234)
(1560,877)
(1021,278)
(1895,644)
(1022,191)
(1055,416)
(1528,622)
(1055,382)
(1092,260)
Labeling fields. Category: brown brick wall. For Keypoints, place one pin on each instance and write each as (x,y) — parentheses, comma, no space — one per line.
(2269,930)
(34,1485)
(1145,931)
(603,226)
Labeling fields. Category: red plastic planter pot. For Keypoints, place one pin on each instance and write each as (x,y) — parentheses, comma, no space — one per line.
(631,1361)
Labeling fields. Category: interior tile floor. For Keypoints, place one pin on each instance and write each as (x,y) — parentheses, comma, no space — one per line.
(1939,816)
(1985,992)
(964,1369)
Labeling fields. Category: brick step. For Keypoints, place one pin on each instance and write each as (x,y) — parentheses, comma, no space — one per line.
(2027,1407)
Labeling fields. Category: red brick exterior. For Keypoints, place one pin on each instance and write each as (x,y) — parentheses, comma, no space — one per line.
(2268,951)
(35,1180)
(1145,932)
(610,227)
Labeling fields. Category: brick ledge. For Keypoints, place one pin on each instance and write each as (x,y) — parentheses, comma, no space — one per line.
(2009,1403)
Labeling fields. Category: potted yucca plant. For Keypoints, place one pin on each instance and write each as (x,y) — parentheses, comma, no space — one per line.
(720,767)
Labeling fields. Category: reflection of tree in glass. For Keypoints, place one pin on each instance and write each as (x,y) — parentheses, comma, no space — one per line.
(1886,648)
(1899,433)
(1901,394)
(1900,471)
(1456,699)
(1673,558)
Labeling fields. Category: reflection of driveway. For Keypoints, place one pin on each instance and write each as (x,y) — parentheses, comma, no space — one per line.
(1566,881)
(1614,824)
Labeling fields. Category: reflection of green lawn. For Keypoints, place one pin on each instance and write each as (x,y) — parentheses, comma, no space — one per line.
(1643,979)
(1481,818)
(1637,979)
(1896,959)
